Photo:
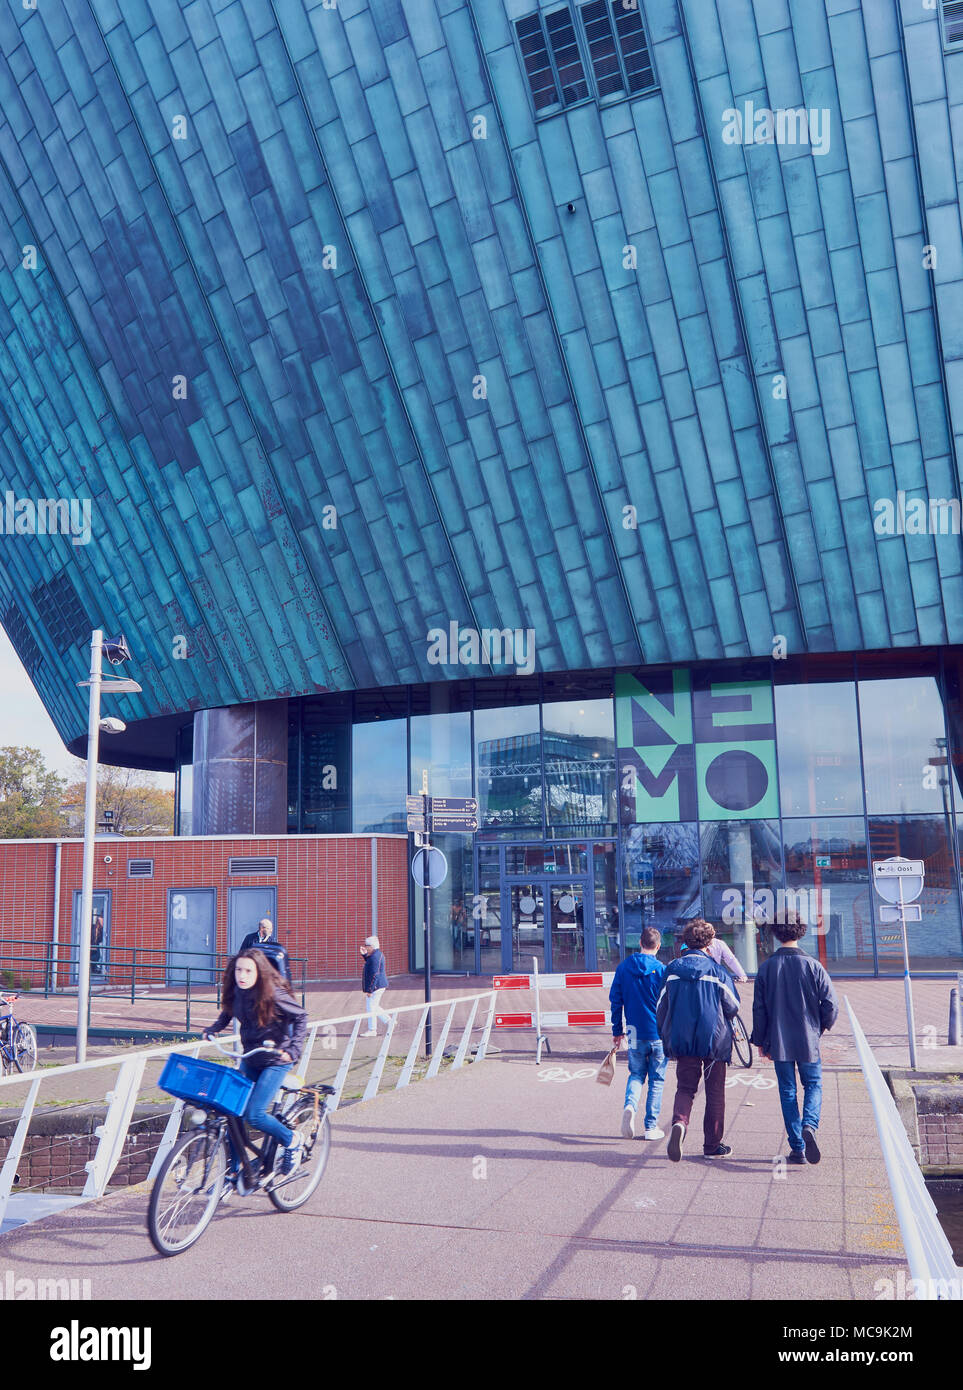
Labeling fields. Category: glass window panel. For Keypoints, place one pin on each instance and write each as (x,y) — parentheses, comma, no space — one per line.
(442,744)
(379,775)
(935,941)
(452,931)
(661,884)
(904,744)
(579,743)
(818,746)
(325,767)
(739,858)
(546,859)
(828,884)
(486,913)
(508,767)
(607,945)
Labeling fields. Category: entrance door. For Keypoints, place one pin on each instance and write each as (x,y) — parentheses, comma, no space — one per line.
(548,923)
(98,955)
(191,922)
(245,909)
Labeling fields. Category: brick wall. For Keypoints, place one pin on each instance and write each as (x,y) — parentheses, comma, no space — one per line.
(941,1139)
(323,893)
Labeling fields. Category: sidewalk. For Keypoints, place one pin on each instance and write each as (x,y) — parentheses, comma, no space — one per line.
(507,1181)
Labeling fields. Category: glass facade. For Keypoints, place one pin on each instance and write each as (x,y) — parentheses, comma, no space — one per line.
(610,801)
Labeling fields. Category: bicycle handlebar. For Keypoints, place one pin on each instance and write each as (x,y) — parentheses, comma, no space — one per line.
(240,1056)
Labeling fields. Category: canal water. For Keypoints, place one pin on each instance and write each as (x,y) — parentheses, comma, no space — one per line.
(947,1193)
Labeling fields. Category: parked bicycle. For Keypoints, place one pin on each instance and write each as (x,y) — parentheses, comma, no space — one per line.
(217,1161)
(740,1041)
(18,1041)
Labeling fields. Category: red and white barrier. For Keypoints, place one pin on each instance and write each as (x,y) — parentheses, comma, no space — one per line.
(586,1018)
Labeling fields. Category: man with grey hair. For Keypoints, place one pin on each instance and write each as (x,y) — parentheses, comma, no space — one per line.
(374,982)
(261,940)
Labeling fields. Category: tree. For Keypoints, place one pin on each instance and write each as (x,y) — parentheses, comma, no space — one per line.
(30,796)
(139,805)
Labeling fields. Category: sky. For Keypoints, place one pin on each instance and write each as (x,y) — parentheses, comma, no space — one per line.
(28,725)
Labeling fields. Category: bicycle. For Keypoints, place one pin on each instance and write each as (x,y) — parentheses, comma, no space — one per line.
(18,1041)
(216,1160)
(740,1041)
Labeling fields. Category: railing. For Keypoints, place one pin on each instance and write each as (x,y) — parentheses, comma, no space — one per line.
(130,1068)
(928,1251)
(131,968)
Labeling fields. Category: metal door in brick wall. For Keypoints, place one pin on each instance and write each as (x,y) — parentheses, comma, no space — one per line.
(99,939)
(246,907)
(191,935)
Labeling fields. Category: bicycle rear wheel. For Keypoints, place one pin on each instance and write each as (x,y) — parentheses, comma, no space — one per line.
(740,1041)
(24,1047)
(291,1193)
(187,1190)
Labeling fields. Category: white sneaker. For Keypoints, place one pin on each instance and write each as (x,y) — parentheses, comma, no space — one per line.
(628,1123)
(654,1134)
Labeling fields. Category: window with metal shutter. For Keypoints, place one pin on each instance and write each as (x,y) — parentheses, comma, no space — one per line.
(568,59)
(952,22)
(538,65)
(601,45)
(633,46)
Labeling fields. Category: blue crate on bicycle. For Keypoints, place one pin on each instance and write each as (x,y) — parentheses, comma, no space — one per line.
(206,1083)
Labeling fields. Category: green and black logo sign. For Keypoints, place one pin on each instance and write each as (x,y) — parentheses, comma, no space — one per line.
(702,749)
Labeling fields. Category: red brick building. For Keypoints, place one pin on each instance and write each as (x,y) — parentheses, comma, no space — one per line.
(177,901)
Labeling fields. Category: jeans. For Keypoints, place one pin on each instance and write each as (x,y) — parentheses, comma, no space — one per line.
(688,1073)
(811,1076)
(267,1083)
(646,1063)
(372,1004)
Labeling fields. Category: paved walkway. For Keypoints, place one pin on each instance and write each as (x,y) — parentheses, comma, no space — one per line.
(509,1181)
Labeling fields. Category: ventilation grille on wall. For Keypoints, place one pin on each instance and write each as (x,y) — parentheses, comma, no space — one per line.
(61,611)
(265,864)
(26,648)
(140,868)
(612,39)
(953,21)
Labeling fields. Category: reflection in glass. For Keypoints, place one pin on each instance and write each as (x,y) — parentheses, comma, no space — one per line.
(486,912)
(904,743)
(934,942)
(607,948)
(818,737)
(567,923)
(562,858)
(739,857)
(452,930)
(827,872)
(442,744)
(325,754)
(508,766)
(661,887)
(579,743)
(379,775)
(528,926)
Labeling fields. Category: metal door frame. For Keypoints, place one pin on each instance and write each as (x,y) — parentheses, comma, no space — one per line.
(545,881)
(75,934)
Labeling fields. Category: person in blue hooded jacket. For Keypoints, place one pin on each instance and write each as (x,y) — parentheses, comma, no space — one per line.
(697,1001)
(635,989)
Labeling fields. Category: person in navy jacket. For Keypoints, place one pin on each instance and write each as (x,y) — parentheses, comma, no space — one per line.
(636,987)
(697,1001)
(374,982)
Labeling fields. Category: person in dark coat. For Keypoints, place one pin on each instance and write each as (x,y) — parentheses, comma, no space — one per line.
(263,940)
(254,993)
(374,982)
(793,1005)
(697,1001)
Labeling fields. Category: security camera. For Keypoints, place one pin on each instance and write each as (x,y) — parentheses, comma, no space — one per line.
(112,725)
(116,649)
(108,859)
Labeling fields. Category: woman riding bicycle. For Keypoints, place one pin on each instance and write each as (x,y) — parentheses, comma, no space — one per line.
(255,994)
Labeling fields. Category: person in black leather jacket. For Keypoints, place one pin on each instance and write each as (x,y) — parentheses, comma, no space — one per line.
(254,993)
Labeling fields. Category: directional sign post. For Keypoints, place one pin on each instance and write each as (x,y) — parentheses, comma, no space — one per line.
(898,881)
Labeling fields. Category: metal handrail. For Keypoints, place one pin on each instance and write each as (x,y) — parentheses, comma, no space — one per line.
(130,1067)
(928,1251)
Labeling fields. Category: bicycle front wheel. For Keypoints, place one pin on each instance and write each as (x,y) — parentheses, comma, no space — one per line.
(740,1042)
(24,1047)
(187,1190)
(291,1193)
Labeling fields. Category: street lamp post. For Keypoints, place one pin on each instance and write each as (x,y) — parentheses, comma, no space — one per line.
(116,651)
(90,830)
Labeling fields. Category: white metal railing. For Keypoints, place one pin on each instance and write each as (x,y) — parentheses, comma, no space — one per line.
(121,1100)
(928,1251)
